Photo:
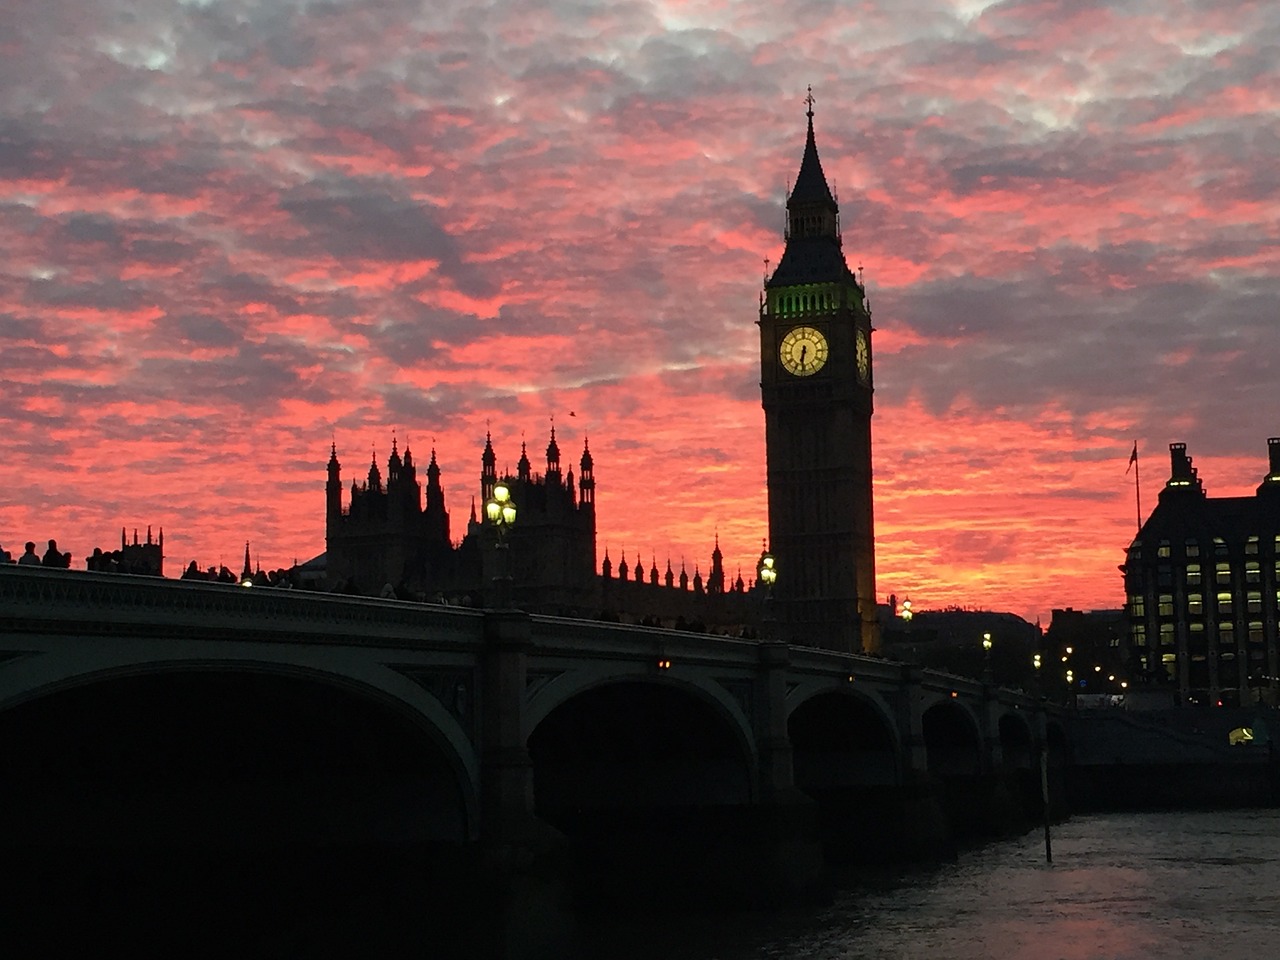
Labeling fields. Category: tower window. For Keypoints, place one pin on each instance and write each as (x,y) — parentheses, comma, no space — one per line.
(1253,601)
(1166,635)
(1165,607)
(1193,548)
(1219,547)
(1224,603)
(1226,636)
(1251,545)
(1137,606)
(1252,572)
(1222,572)
(1195,604)
(1193,574)
(1255,632)
(1163,549)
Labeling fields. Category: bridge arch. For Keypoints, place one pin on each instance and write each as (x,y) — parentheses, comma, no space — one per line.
(843,738)
(952,740)
(1017,740)
(638,741)
(187,708)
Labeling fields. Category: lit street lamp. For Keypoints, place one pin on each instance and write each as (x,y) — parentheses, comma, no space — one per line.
(500,511)
(766,574)
(986,658)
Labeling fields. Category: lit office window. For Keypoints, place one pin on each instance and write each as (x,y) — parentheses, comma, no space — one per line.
(1222,572)
(1166,635)
(1195,604)
(1163,550)
(1165,606)
(1137,605)
(1251,545)
(1252,572)
(1255,632)
(1253,602)
(1193,574)
(1224,603)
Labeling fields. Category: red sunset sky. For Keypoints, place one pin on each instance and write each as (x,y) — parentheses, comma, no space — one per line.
(233,230)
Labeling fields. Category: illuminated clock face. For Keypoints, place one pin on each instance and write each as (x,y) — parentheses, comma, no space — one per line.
(863,351)
(803,351)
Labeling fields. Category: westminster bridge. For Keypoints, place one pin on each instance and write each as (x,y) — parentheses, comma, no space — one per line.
(166,715)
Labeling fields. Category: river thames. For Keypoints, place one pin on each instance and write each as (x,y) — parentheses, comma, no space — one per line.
(1134,886)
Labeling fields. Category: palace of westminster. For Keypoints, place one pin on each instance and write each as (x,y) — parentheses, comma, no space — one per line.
(816,387)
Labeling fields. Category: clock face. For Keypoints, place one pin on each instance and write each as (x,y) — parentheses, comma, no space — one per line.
(863,351)
(803,351)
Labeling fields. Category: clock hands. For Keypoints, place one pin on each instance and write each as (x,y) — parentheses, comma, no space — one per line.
(804,349)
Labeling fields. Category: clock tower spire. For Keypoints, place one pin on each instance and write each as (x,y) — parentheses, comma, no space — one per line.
(816,389)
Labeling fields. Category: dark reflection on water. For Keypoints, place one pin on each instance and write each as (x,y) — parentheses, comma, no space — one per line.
(1158,886)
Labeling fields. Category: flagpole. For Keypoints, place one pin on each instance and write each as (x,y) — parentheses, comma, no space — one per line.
(1137,483)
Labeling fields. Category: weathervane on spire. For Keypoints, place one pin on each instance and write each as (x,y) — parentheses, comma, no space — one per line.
(809,100)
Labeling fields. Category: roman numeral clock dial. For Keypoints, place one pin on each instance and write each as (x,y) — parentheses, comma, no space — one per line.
(803,351)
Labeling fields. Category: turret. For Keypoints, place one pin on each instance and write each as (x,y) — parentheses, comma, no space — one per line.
(587,477)
(435,517)
(553,458)
(1271,482)
(715,580)
(333,486)
(1183,478)
(524,469)
(488,469)
(393,464)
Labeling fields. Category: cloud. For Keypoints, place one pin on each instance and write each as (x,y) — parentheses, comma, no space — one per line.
(230,234)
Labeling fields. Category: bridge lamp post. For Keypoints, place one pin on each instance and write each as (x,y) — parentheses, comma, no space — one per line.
(767,573)
(986,658)
(500,511)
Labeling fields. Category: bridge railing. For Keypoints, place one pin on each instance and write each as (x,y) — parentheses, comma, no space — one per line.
(39,599)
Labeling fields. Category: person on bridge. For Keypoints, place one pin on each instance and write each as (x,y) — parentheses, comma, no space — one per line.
(53,557)
(30,557)
(5,556)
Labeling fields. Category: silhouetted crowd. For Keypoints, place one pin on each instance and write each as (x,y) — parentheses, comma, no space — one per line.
(260,578)
(115,562)
(53,557)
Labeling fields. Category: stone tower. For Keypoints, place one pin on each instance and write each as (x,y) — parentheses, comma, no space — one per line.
(816,388)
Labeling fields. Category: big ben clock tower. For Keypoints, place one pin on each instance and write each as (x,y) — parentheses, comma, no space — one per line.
(816,386)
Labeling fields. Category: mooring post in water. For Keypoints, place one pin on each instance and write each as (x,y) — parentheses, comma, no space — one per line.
(1044,789)
(1043,736)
